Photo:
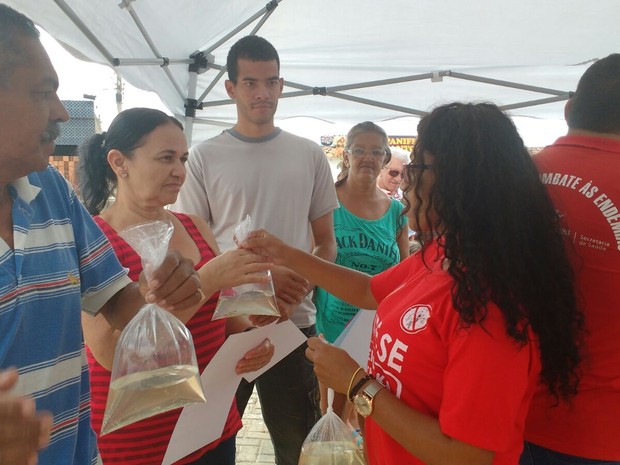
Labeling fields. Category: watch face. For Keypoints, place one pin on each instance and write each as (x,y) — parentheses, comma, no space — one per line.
(362,405)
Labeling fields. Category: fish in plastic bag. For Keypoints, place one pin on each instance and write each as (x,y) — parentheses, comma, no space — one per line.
(247,299)
(331,442)
(155,368)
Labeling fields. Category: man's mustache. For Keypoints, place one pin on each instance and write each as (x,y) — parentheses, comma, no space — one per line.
(51,133)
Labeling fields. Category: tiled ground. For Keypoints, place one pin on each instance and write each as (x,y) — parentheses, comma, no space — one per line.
(253,443)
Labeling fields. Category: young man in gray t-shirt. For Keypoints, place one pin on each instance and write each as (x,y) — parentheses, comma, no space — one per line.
(285,184)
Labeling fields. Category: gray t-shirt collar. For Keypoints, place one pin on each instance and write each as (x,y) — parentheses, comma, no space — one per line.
(253,140)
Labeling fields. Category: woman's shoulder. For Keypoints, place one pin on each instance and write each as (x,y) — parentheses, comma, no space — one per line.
(192,221)
(103,224)
(396,205)
(198,229)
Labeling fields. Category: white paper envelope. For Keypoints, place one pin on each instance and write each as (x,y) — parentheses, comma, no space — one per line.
(201,424)
(355,338)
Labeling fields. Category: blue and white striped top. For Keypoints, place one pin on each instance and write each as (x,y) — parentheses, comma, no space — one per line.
(61,263)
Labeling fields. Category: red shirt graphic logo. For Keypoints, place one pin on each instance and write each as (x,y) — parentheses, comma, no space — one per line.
(415,319)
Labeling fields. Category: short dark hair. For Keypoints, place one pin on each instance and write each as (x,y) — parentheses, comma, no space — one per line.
(596,103)
(253,48)
(14,26)
(96,179)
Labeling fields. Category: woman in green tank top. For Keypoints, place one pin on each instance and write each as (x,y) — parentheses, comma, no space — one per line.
(371,233)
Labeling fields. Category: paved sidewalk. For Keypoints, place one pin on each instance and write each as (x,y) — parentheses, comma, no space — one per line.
(253,443)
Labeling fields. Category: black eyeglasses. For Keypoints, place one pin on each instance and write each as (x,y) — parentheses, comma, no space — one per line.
(411,168)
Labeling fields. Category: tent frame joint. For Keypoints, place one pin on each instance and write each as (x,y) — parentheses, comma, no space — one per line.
(191,105)
(272,5)
(200,62)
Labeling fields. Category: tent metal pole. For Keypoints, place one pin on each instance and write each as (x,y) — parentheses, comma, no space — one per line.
(498,82)
(300,93)
(305,89)
(381,82)
(265,12)
(151,61)
(375,103)
(216,79)
(213,122)
(532,103)
(190,111)
(75,19)
(217,103)
(269,8)
(126,4)
(419,77)
(311,91)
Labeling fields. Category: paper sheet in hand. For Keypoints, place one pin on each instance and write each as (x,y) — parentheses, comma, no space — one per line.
(201,424)
(285,338)
(355,338)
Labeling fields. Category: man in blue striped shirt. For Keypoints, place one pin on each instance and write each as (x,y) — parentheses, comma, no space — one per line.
(54,261)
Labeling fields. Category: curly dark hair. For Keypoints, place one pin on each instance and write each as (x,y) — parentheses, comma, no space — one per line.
(500,233)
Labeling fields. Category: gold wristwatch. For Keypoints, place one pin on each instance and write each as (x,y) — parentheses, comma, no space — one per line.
(364,401)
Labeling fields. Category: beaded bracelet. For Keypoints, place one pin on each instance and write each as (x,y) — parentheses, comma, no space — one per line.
(358,386)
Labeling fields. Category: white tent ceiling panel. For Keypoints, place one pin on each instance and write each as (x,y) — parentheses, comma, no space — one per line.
(332,43)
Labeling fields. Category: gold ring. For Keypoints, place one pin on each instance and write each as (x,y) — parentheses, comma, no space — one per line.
(202,294)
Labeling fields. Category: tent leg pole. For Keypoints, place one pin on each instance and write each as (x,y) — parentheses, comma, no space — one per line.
(190,106)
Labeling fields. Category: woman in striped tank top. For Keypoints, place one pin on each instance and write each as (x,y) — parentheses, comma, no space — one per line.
(141,161)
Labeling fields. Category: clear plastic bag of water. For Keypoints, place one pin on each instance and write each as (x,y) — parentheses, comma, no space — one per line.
(155,368)
(247,299)
(331,442)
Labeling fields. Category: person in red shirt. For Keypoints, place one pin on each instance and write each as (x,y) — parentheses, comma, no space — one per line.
(467,326)
(581,172)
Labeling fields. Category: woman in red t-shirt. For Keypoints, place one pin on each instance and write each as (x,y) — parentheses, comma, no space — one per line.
(466,327)
(141,160)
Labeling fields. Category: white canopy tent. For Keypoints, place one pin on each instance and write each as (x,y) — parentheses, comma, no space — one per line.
(343,61)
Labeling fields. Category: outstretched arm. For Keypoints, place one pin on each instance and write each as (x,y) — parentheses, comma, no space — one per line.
(346,284)
(290,287)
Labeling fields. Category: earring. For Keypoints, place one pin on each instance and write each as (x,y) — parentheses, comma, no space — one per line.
(124,175)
